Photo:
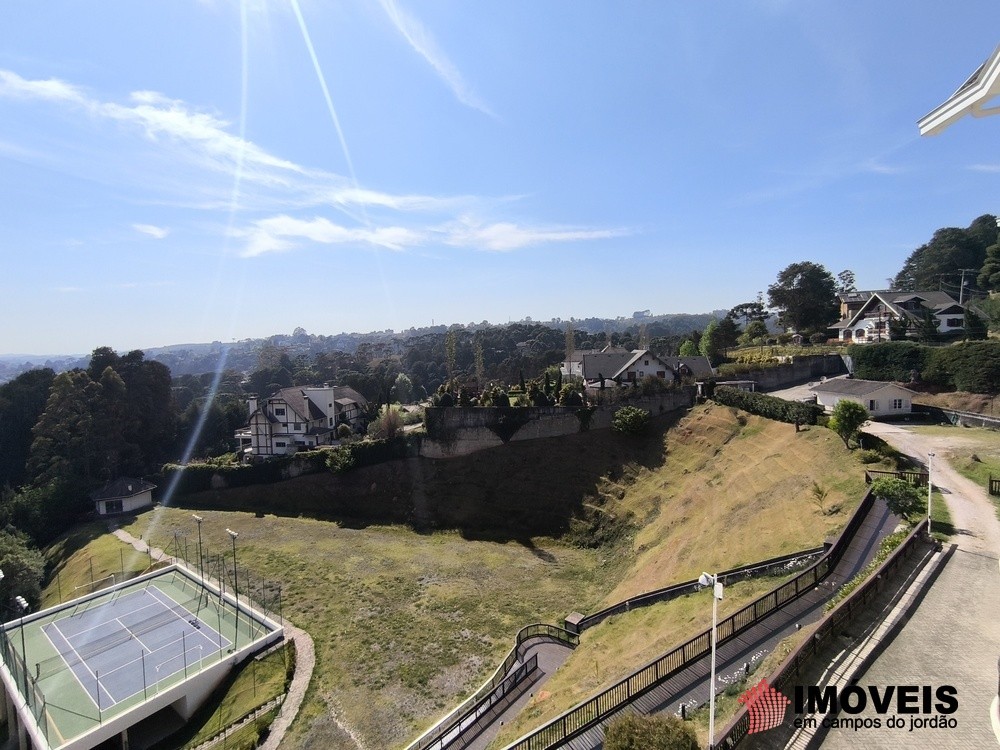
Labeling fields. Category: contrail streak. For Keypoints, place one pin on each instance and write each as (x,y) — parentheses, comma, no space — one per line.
(329,101)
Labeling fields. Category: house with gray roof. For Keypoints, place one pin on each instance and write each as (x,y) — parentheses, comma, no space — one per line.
(866,317)
(879,398)
(123,495)
(299,418)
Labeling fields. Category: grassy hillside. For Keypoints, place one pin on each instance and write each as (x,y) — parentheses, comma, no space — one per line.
(407,623)
(734,489)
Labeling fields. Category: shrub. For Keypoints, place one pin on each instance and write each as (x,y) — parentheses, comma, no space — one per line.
(344,431)
(870,456)
(570,396)
(387,426)
(630,420)
(900,496)
(847,419)
(770,407)
(634,732)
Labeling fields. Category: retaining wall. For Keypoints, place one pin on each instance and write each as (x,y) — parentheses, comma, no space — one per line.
(457,431)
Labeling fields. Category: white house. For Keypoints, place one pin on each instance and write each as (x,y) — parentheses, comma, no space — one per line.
(866,316)
(123,495)
(879,398)
(301,417)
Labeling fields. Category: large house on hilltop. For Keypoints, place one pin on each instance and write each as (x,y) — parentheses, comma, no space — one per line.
(301,417)
(624,366)
(866,316)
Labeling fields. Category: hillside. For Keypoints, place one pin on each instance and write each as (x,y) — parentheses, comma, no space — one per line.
(734,489)
(407,623)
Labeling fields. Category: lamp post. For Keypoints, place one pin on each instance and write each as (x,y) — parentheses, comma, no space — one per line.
(201,564)
(236,588)
(708,579)
(930,488)
(24,654)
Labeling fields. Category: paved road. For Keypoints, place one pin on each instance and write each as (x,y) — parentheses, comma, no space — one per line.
(953,637)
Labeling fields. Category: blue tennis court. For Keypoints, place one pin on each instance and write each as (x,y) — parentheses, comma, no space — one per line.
(126,645)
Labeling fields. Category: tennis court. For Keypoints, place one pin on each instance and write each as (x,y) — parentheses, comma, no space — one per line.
(104,655)
(115,647)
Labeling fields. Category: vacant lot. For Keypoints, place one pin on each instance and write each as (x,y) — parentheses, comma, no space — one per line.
(406,624)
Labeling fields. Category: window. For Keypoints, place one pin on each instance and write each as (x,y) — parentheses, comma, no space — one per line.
(872,405)
(298,426)
(897,403)
(954,323)
(279,444)
(646,363)
(331,421)
(112,506)
(279,412)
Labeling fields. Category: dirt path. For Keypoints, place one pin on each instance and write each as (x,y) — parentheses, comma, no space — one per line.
(972,512)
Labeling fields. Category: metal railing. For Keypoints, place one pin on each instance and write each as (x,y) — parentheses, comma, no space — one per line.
(765,567)
(593,711)
(461,713)
(834,622)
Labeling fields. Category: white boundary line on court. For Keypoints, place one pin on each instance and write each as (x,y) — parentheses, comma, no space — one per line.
(102,623)
(99,707)
(133,635)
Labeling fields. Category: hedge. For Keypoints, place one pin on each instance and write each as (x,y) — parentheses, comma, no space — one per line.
(972,366)
(770,407)
(889,360)
(197,477)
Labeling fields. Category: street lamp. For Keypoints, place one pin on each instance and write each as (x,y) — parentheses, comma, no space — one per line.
(201,563)
(24,654)
(930,488)
(708,579)
(236,588)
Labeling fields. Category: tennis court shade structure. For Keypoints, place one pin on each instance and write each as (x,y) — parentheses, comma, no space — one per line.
(87,670)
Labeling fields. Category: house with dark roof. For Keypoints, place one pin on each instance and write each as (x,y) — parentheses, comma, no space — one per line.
(879,398)
(123,495)
(867,317)
(300,417)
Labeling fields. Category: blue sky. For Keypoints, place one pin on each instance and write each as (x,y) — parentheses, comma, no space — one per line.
(200,170)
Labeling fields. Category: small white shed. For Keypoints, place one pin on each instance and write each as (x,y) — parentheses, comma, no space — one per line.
(123,495)
(881,399)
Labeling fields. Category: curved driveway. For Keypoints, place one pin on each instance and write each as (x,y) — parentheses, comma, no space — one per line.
(953,636)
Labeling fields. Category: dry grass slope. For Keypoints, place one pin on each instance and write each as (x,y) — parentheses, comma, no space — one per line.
(734,489)
(406,623)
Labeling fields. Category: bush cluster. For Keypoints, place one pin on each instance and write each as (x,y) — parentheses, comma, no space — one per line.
(197,477)
(886,547)
(770,407)
(369,452)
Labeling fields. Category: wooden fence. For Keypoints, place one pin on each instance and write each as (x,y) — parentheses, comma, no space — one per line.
(595,710)
(994,486)
(916,478)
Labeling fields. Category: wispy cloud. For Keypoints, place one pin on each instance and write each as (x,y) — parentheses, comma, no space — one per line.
(988,168)
(423,44)
(277,189)
(152,230)
(283,233)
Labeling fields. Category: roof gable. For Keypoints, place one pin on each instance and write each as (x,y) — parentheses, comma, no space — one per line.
(855,387)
